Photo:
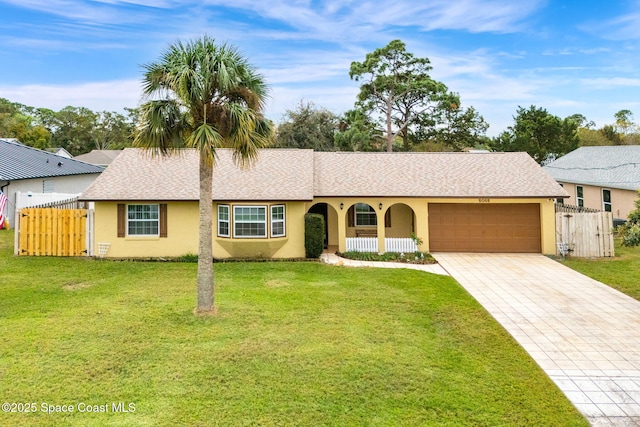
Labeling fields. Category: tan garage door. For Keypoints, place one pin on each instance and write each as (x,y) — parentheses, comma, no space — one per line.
(457,227)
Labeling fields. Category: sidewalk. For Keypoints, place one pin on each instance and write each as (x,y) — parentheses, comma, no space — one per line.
(333,259)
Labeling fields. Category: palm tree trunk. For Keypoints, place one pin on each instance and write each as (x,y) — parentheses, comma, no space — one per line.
(205,244)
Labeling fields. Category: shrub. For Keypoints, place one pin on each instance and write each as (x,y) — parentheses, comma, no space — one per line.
(630,232)
(188,258)
(409,257)
(313,235)
(631,235)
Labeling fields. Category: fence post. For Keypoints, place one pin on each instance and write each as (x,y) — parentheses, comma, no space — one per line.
(89,232)
(16,234)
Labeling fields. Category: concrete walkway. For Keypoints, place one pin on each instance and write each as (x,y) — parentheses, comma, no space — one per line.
(584,334)
(331,258)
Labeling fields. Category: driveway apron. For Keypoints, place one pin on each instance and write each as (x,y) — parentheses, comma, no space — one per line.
(583,334)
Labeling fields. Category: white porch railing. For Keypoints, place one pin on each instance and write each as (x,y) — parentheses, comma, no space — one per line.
(362,244)
(399,244)
(391,244)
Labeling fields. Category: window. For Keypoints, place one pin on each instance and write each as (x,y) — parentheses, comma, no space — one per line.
(606,200)
(223,220)
(365,215)
(560,200)
(277,221)
(48,186)
(580,195)
(143,220)
(250,221)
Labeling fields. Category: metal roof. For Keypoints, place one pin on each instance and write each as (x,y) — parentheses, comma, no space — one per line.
(602,166)
(18,161)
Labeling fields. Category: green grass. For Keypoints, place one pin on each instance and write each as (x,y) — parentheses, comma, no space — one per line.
(621,272)
(299,344)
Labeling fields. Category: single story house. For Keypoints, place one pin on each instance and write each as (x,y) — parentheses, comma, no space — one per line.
(605,178)
(25,169)
(147,206)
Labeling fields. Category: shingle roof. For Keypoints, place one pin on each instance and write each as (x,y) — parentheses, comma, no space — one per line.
(99,157)
(432,175)
(607,166)
(279,174)
(19,161)
(290,174)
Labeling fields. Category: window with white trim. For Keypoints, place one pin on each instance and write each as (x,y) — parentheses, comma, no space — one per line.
(277,221)
(365,215)
(224,229)
(143,220)
(579,195)
(606,200)
(250,221)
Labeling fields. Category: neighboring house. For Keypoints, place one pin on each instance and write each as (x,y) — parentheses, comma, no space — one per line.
(59,151)
(147,206)
(605,178)
(99,157)
(26,169)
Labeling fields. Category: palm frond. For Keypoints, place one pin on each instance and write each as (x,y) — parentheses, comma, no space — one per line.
(248,133)
(210,96)
(161,127)
(205,138)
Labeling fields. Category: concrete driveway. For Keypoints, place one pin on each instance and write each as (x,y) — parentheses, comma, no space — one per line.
(584,334)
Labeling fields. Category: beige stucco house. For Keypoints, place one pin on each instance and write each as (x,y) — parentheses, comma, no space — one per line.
(479,202)
(603,178)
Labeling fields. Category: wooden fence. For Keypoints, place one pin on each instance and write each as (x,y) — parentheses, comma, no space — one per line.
(52,232)
(585,234)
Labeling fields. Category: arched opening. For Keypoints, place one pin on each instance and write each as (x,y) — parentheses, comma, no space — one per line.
(362,221)
(399,228)
(400,221)
(330,224)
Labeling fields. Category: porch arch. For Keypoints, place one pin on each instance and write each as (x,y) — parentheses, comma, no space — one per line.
(331,237)
(400,220)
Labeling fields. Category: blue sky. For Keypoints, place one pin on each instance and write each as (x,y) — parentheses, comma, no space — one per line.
(566,56)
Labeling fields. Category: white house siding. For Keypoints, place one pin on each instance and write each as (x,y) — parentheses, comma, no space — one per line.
(61,184)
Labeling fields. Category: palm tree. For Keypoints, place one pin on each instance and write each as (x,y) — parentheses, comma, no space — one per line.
(204,96)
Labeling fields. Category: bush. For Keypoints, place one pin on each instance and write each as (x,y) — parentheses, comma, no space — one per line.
(409,257)
(313,235)
(631,235)
(630,232)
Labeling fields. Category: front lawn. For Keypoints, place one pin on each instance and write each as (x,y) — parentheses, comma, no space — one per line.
(621,272)
(300,344)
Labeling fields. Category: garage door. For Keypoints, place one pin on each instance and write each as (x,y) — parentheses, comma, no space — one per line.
(457,227)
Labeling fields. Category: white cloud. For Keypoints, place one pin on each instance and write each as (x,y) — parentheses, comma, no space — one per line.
(97,96)
(608,82)
(335,99)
